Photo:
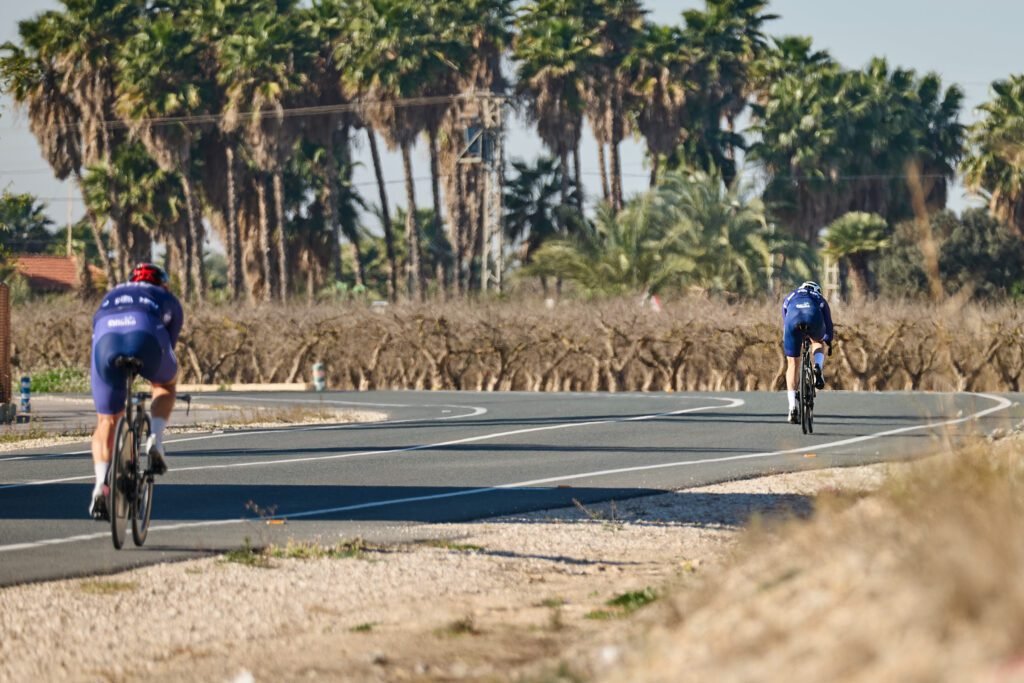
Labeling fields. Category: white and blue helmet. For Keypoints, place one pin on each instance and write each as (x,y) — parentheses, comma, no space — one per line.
(811,286)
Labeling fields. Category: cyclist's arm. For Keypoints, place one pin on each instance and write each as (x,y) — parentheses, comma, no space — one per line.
(177,319)
(828,321)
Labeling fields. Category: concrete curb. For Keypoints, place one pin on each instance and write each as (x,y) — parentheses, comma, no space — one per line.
(278,386)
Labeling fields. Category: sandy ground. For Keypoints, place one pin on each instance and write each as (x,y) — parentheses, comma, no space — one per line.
(512,598)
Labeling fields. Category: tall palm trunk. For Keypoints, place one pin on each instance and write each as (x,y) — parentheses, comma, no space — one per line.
(385,212)
(655,163)
(264,239)
(347,224)
(604,172)
(185,259)
(435,188)
(195,232)
(310,278)
(618,131)
(97,236)
(330,200)
(578,177)
(282,242)
(232,236)
(563,159)
(412,228)
(458,217)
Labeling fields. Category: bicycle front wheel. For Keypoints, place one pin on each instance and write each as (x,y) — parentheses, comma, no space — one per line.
(142,508)
(806,394)
(121,481)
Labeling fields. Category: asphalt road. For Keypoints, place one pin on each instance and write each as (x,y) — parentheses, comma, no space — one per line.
(454,456)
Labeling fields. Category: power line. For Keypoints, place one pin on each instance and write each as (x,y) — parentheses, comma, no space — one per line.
(283,112)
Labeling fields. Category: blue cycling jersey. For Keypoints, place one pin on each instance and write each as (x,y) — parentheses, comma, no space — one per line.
(804,313)
(136,320)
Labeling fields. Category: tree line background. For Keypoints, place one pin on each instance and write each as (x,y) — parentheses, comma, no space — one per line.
(175,117)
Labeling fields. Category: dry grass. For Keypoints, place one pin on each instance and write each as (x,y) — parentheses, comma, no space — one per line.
(921,581)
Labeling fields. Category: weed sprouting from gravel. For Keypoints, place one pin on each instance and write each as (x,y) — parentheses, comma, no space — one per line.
(633,600)
(309,550)
(249,556)
(363,628)
(446,544)
(107,587)
(598,615)
(466,626)
(610,520)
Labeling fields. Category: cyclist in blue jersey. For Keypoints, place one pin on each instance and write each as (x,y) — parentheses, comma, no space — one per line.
(139,319)
(805,313)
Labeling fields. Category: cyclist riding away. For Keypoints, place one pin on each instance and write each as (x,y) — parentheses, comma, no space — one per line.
(139,319)
(805,313)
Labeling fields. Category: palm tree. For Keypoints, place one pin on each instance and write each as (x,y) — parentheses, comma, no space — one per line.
(260,67)
(726,40)
(854,237)
(531,207)
(657,73)
(555,51)
(618,26)
(690,231)
(395,50)
(995,164)
(64,74)
(484,26)
(161,79)
(147,199)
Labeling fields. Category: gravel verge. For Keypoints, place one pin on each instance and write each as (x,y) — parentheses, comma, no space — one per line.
(523,597)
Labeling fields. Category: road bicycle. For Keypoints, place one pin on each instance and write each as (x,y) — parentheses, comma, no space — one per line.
(806,391)
(130,476)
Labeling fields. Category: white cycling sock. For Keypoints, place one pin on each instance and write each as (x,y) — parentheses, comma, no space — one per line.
(157,424)
(100,468)
(819,359)
(792,400)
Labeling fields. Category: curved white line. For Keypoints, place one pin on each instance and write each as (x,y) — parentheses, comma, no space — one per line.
(1002,404)
(730,403)
(475,411)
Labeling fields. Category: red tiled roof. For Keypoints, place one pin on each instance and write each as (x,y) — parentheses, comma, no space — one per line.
(50,273)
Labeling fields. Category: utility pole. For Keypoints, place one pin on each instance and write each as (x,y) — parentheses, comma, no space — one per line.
(485,145)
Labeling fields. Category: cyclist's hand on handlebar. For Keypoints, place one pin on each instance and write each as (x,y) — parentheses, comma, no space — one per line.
(829,347)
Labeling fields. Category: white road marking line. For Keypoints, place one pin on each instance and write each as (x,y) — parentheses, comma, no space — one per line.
(1002,404)
(476,411)
(730,403)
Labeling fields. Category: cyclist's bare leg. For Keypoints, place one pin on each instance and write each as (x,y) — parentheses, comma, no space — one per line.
(162,404)
(792,367)
(103,446)
(160,412)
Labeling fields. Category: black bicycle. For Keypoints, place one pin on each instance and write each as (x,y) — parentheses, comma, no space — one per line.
(131,474)
(806,390)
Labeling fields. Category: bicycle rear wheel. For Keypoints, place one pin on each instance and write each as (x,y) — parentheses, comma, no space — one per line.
(121,481)
(142,508)
(806,394)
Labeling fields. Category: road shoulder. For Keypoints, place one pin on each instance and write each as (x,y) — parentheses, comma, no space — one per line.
(521,596)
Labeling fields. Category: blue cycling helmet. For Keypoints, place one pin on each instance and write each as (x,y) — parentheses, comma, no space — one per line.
(811,286)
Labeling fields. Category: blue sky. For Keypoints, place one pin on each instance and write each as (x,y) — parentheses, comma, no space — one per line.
(969,43)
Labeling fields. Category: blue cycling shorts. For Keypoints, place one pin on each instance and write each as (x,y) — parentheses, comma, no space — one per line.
(814,323)
(110,383)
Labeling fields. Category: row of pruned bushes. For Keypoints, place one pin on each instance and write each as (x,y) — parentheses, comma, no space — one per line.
(693,345)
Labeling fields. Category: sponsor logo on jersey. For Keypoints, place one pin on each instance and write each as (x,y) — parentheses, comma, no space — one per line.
(124,321)
(124,299)
(804,305)
(149,302)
